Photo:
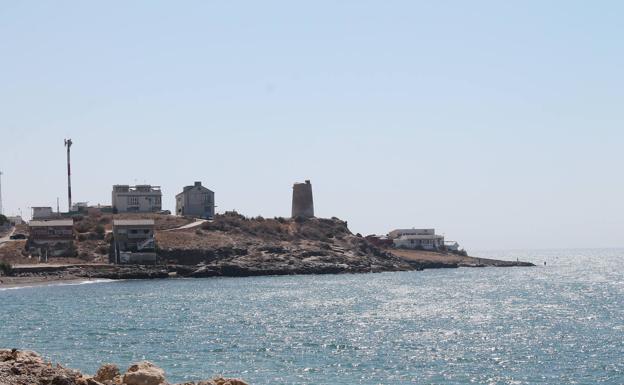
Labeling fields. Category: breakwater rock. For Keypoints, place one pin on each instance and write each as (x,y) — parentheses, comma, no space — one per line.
(29,368)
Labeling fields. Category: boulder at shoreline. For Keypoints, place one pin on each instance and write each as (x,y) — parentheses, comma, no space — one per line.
(29,368)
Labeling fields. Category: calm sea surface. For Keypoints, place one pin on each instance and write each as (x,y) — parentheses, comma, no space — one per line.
(557,324)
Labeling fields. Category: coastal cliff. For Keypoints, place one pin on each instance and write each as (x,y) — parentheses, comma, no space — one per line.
(29,368)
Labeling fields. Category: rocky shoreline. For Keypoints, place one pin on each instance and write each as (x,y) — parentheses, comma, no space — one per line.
(235,246)
(29,368)
(27,275)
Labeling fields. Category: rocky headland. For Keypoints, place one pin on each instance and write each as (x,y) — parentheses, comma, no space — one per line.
(232,245)
(29,368)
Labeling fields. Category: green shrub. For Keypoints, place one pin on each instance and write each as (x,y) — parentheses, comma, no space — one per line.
(6,268)
(100,230)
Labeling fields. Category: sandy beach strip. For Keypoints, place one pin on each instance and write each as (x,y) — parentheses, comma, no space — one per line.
(7,283)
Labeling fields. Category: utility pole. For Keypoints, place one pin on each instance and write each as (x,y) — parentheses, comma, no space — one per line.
(68,144)
(1,193)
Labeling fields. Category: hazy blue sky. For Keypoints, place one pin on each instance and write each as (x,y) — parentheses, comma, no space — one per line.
(499,123)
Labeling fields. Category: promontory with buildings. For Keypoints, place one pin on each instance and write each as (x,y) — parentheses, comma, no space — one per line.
(134,237)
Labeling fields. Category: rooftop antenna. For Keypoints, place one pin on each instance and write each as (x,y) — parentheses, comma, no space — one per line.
(1,193)
(68,144)
(58,210)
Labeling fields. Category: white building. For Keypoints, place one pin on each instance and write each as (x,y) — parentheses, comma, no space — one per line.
(416,239)
(15,220)
(139,199)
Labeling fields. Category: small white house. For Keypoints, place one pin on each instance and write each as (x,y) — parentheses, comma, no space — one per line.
(15,220)
(425,239)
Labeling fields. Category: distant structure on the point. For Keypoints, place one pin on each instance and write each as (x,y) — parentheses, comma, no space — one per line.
(302,202)
(196,201)
(68,144)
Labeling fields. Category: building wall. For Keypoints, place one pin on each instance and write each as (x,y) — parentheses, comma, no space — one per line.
(42,213)
(196,201)
(15,220)
(128,237)
(432,243)
(137,201)
(52,233)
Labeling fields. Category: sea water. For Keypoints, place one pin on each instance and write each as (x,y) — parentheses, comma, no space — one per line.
(559,323)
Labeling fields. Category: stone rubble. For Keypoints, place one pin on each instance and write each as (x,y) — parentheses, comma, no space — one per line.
(21,367)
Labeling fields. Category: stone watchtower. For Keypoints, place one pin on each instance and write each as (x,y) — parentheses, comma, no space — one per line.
(302,203)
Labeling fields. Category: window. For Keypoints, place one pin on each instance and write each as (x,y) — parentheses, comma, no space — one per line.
(133,201)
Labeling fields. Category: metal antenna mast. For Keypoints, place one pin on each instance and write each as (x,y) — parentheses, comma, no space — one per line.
(68,143)
(1,193)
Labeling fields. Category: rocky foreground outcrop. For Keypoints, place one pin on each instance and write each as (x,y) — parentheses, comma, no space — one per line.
(28,368)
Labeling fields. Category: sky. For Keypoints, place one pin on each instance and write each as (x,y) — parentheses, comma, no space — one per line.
(499,124)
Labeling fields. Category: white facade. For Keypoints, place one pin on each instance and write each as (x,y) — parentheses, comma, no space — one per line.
(16,220)
(427,242)
(425,239)
(139,199)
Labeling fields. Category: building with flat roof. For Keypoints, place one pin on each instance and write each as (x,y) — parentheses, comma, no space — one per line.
(53,238)
(196,201)
(133,241)
(138,199)
(53,230)
(15,220)
(425,239)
